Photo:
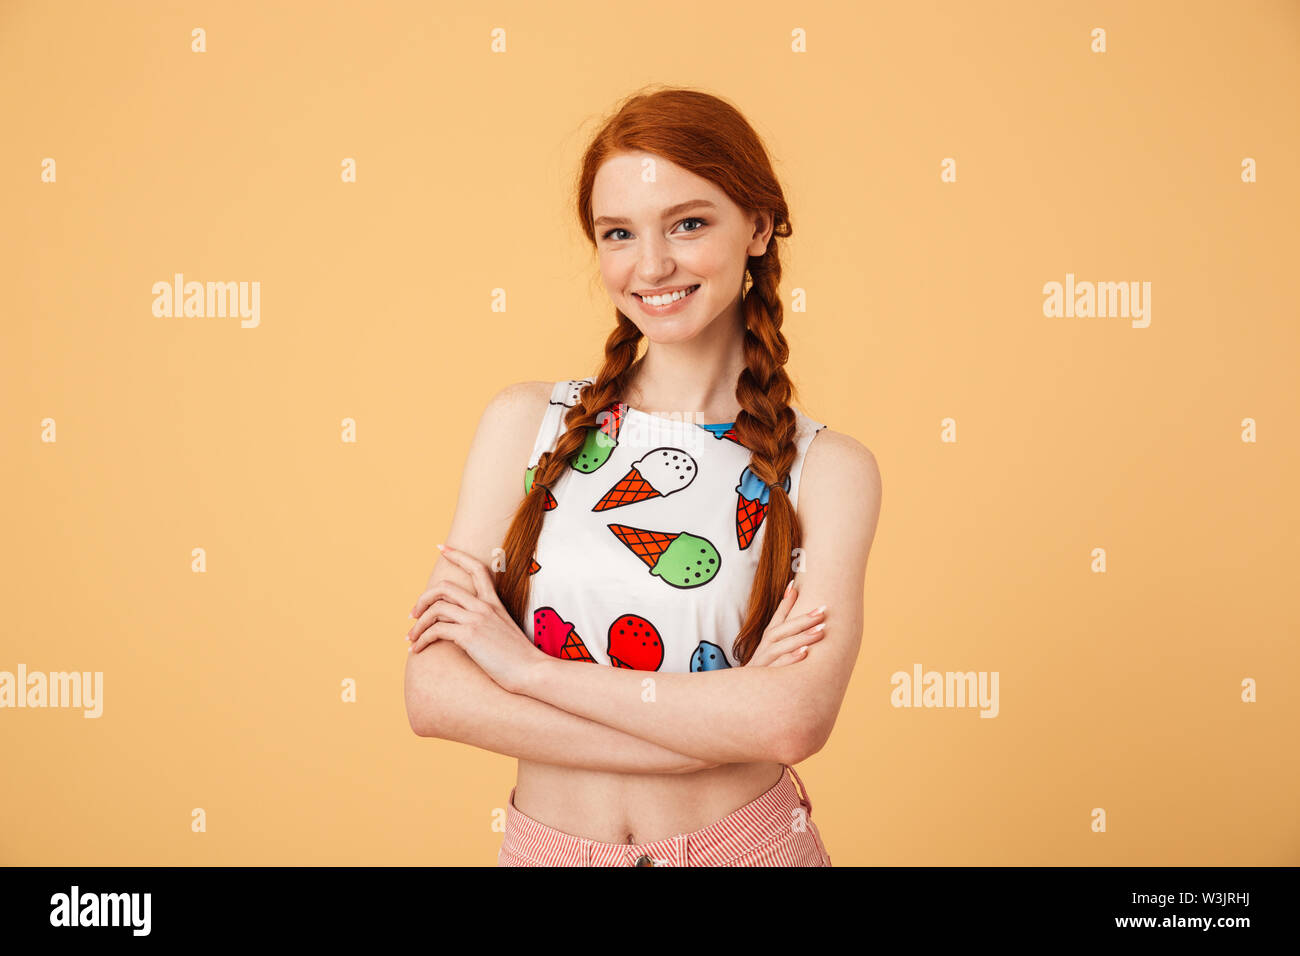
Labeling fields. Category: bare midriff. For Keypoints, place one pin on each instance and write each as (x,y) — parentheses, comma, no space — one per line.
(637,807)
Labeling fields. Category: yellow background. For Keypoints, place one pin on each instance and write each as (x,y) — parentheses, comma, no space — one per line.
(222,690)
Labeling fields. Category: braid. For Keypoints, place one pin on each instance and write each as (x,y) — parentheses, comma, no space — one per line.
(766,426)
(594,402)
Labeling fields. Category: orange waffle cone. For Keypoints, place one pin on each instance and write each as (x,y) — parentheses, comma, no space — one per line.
(646,545)
(575,650)
(611,423)
(615,662)
(533,566)
(550,500)
(630,488)
(749,515)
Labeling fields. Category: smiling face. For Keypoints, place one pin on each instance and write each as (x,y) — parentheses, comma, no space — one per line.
(678,234)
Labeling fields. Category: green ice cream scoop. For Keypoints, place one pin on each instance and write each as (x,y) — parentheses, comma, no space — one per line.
(688,561)
(595,451)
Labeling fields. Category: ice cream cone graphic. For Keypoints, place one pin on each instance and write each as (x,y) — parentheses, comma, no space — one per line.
(727,431)
(574,394)
(680,558)
(529,475)
(575,650)
(634,643)
(751,506)
(655,474)
(601,440)
(611,420)
(750,513)
(708,657)
(556,636)
(533,566)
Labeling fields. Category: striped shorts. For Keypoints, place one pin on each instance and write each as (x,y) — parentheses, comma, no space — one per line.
(770,830)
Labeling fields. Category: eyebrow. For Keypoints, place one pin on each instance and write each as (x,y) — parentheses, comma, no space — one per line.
(667,213)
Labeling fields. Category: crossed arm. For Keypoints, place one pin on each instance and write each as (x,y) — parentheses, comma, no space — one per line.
(613,719)
(448,696)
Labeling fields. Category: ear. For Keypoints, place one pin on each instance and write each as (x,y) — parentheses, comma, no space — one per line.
(763,226)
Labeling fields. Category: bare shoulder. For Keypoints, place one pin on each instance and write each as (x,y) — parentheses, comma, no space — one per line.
(520,401)
(492,484)
(833,455)
(840,484)
(523,393)
(511,419)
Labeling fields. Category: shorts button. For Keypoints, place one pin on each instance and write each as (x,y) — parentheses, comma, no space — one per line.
(644,861)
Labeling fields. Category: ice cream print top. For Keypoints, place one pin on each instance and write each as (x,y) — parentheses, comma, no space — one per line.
(650,539)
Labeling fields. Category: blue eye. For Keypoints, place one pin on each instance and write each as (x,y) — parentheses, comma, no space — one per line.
(702,222)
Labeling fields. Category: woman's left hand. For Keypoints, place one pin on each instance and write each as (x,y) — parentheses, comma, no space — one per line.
(478,623)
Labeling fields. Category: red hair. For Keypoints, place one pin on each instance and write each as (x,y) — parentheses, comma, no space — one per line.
(710,138)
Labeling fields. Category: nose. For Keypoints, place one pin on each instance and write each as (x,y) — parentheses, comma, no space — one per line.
(653,262)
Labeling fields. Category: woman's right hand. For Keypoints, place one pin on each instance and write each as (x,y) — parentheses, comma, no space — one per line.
(786,639)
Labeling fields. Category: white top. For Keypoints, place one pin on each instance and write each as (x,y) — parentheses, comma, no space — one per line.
(648,548)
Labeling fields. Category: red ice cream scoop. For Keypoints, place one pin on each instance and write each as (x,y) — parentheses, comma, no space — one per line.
(634,643)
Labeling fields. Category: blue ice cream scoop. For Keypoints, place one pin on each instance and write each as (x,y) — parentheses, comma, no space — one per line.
(708,657)
(753,489)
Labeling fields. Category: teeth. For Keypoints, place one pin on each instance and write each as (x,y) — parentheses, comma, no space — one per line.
(666,299)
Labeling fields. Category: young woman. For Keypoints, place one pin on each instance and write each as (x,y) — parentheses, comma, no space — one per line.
(657,545)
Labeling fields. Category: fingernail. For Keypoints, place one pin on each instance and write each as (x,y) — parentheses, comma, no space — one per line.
(411,614)
(819,627)
(441,548)
(820,610)
(789,586)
